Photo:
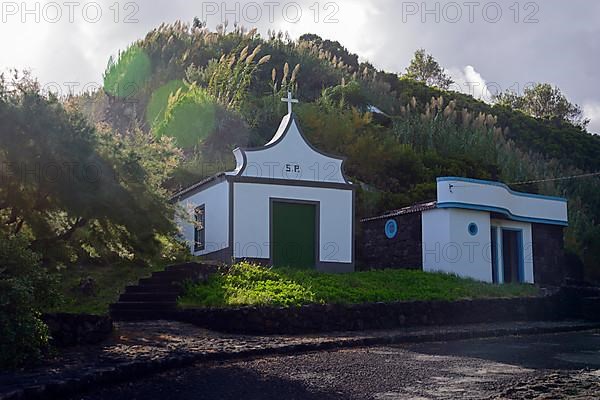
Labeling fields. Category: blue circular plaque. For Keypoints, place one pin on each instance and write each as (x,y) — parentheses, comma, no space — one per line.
(391,229)
(473,229)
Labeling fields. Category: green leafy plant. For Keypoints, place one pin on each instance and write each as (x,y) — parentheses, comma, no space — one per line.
(25,287)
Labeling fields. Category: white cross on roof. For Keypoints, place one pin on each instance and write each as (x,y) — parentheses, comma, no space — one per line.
(289,100)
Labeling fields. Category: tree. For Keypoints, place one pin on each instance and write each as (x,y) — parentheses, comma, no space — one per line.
(544,101)
(72,188)
(424,68)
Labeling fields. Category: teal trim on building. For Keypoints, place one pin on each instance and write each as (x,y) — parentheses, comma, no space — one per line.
(500,210)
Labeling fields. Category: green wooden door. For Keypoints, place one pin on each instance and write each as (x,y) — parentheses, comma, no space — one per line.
(294,234)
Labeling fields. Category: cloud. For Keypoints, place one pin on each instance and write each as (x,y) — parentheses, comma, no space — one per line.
(591,110)
(468,80)
(347,23)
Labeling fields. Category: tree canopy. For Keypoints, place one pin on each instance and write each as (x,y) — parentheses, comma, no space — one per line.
(72,187)
(424,68)
(545,101)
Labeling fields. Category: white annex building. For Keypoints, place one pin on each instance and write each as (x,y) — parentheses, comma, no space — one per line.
(285,204)
(478,229)
(489,226)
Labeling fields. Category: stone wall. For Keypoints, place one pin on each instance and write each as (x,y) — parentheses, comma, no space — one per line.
(375,250)
(75,329)
(549,267)
(331,317)
(223,255)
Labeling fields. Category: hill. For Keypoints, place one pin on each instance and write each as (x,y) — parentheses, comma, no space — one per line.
(213,91)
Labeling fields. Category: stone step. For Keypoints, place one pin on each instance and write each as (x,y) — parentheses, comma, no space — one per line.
(204,267)
(183,273)
(198,272)
(154,280)
(154,288)
(144,305)
(155,297)
(178,276)
(590,308)
(149,296)
(142,315)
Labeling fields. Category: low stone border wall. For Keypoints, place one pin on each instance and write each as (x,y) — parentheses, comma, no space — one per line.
(75,329)
(331,317)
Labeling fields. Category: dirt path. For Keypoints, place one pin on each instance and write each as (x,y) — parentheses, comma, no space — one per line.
(532,367)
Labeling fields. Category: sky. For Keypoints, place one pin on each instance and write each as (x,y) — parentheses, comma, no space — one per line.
(486,46)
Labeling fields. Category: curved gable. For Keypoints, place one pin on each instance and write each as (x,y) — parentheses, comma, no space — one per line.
(475,194)
(288,155)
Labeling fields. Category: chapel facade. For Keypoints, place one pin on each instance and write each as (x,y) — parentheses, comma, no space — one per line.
(285,204)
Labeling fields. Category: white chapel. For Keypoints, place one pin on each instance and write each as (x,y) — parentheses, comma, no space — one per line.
(285,204)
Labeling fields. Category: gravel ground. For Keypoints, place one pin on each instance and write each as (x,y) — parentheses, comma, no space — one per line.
(531,367)
(154,342)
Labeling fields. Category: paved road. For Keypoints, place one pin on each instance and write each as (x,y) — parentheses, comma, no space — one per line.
(530,367)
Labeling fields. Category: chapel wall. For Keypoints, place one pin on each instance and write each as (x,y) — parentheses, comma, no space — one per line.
(216,202)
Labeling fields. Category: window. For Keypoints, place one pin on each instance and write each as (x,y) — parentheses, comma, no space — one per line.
(473,229)
(199,228)
(391,228)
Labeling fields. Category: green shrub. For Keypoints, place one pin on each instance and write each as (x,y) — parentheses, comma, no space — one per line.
(24,288)
(246,283)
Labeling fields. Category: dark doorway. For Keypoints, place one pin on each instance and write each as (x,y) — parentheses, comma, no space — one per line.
(512,255)
(494,236)
(293,235)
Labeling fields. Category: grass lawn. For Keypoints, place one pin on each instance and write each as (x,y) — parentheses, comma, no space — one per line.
(248,284)
(110,281)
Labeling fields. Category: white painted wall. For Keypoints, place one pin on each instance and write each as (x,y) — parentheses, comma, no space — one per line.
(435,233)
(491,194)
(251,219)
(281,160)
(216,201)
(527,245)
(449,247)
